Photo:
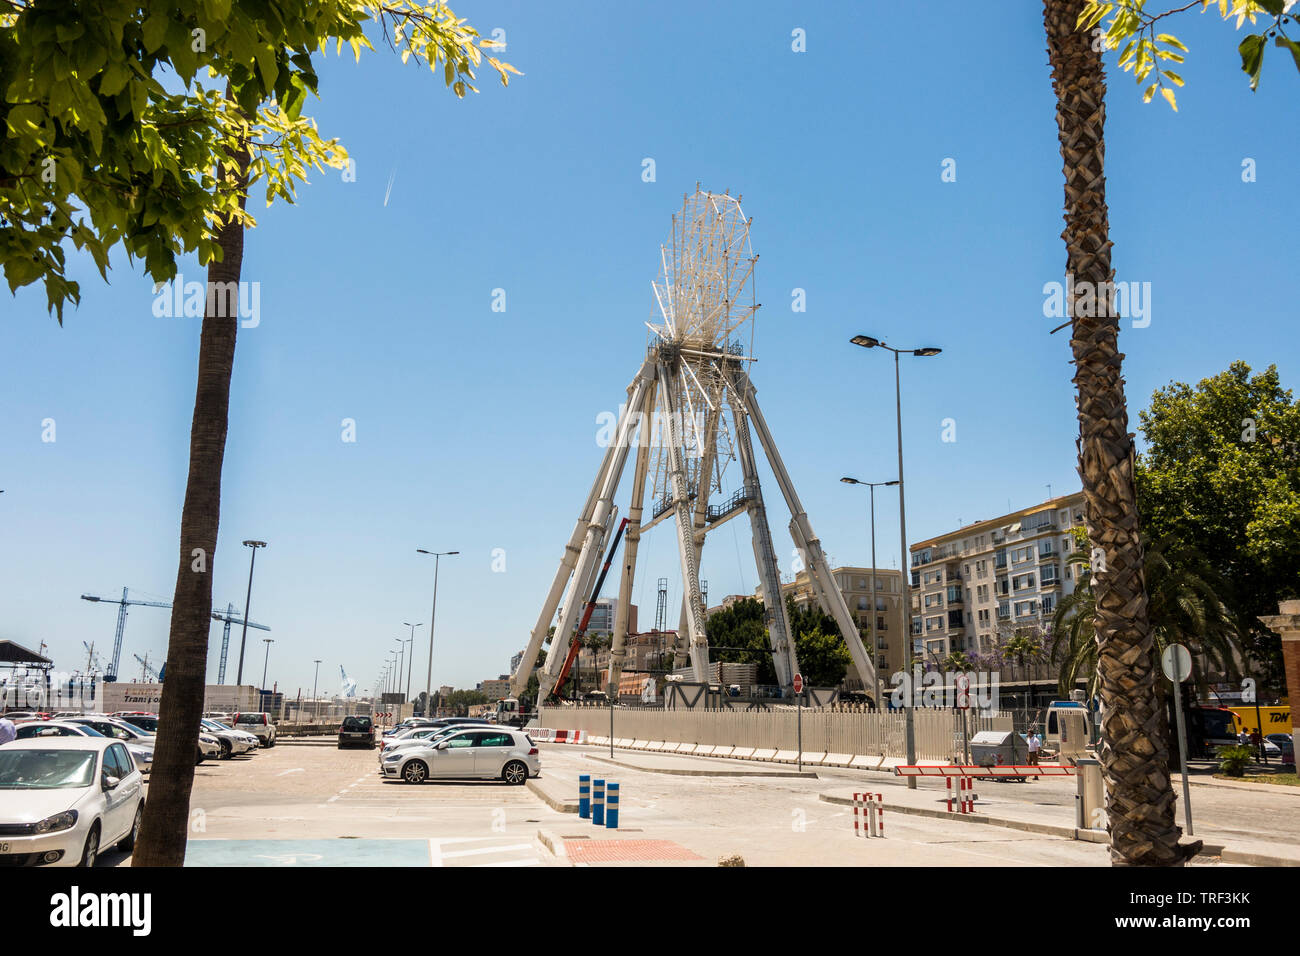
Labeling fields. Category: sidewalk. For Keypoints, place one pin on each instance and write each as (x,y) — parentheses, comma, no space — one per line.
(992,808)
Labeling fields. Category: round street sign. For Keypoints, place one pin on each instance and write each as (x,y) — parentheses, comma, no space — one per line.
(1176,662)
(798,683)
(963,692)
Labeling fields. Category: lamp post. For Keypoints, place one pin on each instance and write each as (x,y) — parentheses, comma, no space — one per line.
(433,615)
(239,673)
(872,486)
(867,342)
(401,651)
(315,708)
(268,641)
(411,659)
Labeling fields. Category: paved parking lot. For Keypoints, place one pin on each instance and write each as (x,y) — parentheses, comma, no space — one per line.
(311,804)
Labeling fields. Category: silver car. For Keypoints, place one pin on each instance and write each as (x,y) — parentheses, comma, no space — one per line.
(501,753)
(422,736)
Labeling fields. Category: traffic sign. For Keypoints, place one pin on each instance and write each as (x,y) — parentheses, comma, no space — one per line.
(1176,662)
(798,683)
(963,692)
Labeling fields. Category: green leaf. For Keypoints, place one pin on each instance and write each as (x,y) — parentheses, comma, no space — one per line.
(1291,45)
(1252,57)
(154,30)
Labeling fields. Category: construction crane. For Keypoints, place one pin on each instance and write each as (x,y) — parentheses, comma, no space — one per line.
(92,659)
(231,616)
(147,673)
(111,674)
(576,644)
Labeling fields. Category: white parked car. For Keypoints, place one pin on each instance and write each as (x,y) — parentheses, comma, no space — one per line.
(259,725)
(138,742)
(499,753)
(62,798)
(422,737)
(232,742)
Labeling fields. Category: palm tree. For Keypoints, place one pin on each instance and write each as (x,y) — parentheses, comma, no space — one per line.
(1184,608)
(1134,754)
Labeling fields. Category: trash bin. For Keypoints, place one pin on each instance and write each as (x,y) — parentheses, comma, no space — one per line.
(997,748)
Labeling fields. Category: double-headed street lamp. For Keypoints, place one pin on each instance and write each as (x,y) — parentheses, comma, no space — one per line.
(433,615)
(872,486)
(411,659)
(239,673)
(867,342)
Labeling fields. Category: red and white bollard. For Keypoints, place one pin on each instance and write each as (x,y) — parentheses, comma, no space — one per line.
(968,801)
(868,815)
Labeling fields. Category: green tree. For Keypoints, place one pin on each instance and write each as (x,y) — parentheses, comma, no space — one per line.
(1140,794)
(1221,471)
(96,151)
(1147,52)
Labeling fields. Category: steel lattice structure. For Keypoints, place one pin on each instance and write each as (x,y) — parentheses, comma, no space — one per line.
(689,413)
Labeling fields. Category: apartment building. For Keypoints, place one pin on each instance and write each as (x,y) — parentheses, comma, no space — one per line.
(496,689)
(855,585)
(979,584)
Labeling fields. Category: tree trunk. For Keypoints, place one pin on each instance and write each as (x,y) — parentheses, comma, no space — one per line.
(165,827)
(1134,752)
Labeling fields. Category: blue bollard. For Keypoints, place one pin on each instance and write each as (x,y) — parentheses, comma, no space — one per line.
(598,802)
(584,795)
(611,812)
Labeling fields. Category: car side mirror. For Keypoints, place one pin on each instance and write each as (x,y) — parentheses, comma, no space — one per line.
(441,746)
(110,783)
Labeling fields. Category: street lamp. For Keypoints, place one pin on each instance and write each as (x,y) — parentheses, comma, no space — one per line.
(872,486)
(867,342)
(401,650)
(411,659)
(315,708)
(433,615)
(268,642)
(239,674)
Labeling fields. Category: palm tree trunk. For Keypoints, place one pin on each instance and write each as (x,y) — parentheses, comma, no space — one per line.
(165,828)
(1134,753)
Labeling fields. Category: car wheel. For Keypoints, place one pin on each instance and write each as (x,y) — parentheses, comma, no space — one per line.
(415,772)
(127,843)
(515,772)
(226,750)
(90,852)
(271,742)
(199,758)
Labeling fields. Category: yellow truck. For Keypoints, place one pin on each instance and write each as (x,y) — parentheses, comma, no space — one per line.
(1277,719)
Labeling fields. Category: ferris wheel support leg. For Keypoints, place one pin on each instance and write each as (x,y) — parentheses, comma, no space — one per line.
(784,658)
(828,593)
(703,488)
(618,644)
(572,551)
(594,533)
(699,642)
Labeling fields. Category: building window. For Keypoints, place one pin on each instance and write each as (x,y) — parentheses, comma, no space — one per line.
(1049,573)
(881,625)
(1022,554)
(1049,602)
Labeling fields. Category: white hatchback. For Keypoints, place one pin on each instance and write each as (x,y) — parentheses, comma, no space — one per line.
(499,753)
(62,798)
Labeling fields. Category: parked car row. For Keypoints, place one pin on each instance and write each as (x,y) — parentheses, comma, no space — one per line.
(458,748)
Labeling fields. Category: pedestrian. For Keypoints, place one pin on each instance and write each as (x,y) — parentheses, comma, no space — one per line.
(1243,738)
(7,731)
(1034,745)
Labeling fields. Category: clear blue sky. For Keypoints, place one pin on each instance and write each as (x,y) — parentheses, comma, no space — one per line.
(476,429)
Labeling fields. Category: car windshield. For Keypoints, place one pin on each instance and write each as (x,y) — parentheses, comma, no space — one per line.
(213,725)
(249,719)
(46,769)
(356,723)
(27,731)
(147,724)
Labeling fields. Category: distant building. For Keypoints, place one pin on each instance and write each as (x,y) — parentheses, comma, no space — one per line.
(983,582)
(514,661)
(494,690)
(855,585)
